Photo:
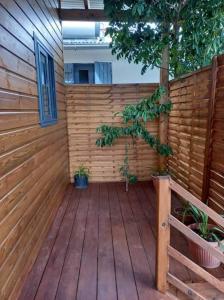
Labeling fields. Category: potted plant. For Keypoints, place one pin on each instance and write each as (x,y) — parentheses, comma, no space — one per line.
(212,234)
(184,213)
(81,177)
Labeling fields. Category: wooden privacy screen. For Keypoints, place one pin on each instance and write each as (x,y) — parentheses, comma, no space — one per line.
(88,106)
(187,130)
(215,170)
(164,273)
(33,160)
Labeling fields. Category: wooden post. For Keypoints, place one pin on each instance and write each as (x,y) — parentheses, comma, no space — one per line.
(208,145)
(163,232)
(164,81)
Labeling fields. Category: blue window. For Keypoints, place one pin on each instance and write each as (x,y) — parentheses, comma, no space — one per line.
(46,84)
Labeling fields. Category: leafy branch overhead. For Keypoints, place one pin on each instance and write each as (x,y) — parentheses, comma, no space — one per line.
(134,117)
(192,30)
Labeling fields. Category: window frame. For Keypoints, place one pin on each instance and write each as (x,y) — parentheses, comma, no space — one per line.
(41,49)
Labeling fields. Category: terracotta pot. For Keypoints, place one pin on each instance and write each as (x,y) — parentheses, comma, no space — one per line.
(201,256)
(178,213)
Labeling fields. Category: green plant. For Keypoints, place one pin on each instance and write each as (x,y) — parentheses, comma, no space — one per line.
(190,31)
(134,118)
(124,170)
(82,172)
(205,230)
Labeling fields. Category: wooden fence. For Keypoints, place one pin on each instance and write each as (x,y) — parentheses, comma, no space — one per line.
(195,131)
(187,132)
(89,106)
(164,276)
(214,179)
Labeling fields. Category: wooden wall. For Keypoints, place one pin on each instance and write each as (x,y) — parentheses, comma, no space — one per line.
(88,106)
(215,172)
(33,160)
(187,132)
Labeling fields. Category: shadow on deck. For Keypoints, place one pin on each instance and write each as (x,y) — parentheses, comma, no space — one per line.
(102,246)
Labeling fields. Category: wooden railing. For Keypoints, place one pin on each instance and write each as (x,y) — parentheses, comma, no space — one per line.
(164,187)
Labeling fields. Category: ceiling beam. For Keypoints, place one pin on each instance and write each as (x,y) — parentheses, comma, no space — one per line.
(83,15)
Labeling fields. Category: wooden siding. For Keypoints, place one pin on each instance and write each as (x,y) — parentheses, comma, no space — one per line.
(216,159)
(88,106)
(187,130)
(33,160)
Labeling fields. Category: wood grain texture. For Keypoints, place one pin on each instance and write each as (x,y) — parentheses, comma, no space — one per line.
(187,131)
(89,106)
(99,247)
(33,160)
(216,152)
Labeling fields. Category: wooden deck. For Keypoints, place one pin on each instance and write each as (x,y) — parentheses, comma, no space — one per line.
(102,246)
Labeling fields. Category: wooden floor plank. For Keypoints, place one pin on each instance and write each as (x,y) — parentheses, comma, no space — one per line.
(87,285)
(102,245)
(106,270)
(126,286)
(177,269)
(51,276)
(67,288)
(142,273)
(34,277)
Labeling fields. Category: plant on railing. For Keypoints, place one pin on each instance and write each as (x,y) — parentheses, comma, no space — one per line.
(209,232)
(134,118)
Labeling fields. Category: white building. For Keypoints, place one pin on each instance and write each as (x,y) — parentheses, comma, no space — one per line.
(88,58)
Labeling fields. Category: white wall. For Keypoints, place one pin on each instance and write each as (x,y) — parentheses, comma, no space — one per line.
(122,71)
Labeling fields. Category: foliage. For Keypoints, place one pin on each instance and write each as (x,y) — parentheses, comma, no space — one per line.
(138,115)
(82,172)
(124,170)
(205,230)
(193,30)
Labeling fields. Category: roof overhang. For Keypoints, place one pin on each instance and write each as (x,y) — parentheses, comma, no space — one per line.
(82,10)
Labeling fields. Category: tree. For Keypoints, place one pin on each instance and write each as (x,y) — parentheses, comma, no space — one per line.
(134,118)
(190,31)
(177,36)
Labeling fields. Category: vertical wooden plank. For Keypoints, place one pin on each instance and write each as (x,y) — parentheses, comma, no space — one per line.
(87,285)
(126,286)
(163,232)
(208,147)
(164,81)
(106,266)
(67,287)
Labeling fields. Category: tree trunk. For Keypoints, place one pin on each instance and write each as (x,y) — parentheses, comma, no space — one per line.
(164,81)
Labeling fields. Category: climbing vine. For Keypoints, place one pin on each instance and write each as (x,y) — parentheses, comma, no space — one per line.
(134,118)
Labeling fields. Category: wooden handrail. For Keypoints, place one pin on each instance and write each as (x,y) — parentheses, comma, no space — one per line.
(197,269)
(164,187)
(195,201)
(195,238)
(184,288)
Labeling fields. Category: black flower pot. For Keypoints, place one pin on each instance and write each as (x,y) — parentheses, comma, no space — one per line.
(80,182)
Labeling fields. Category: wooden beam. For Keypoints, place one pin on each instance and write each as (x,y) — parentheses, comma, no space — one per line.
(83,15)
(163,125)
(184,288)
(163,193)
(209,136)
(218,219)
(194,237)
(218,284)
